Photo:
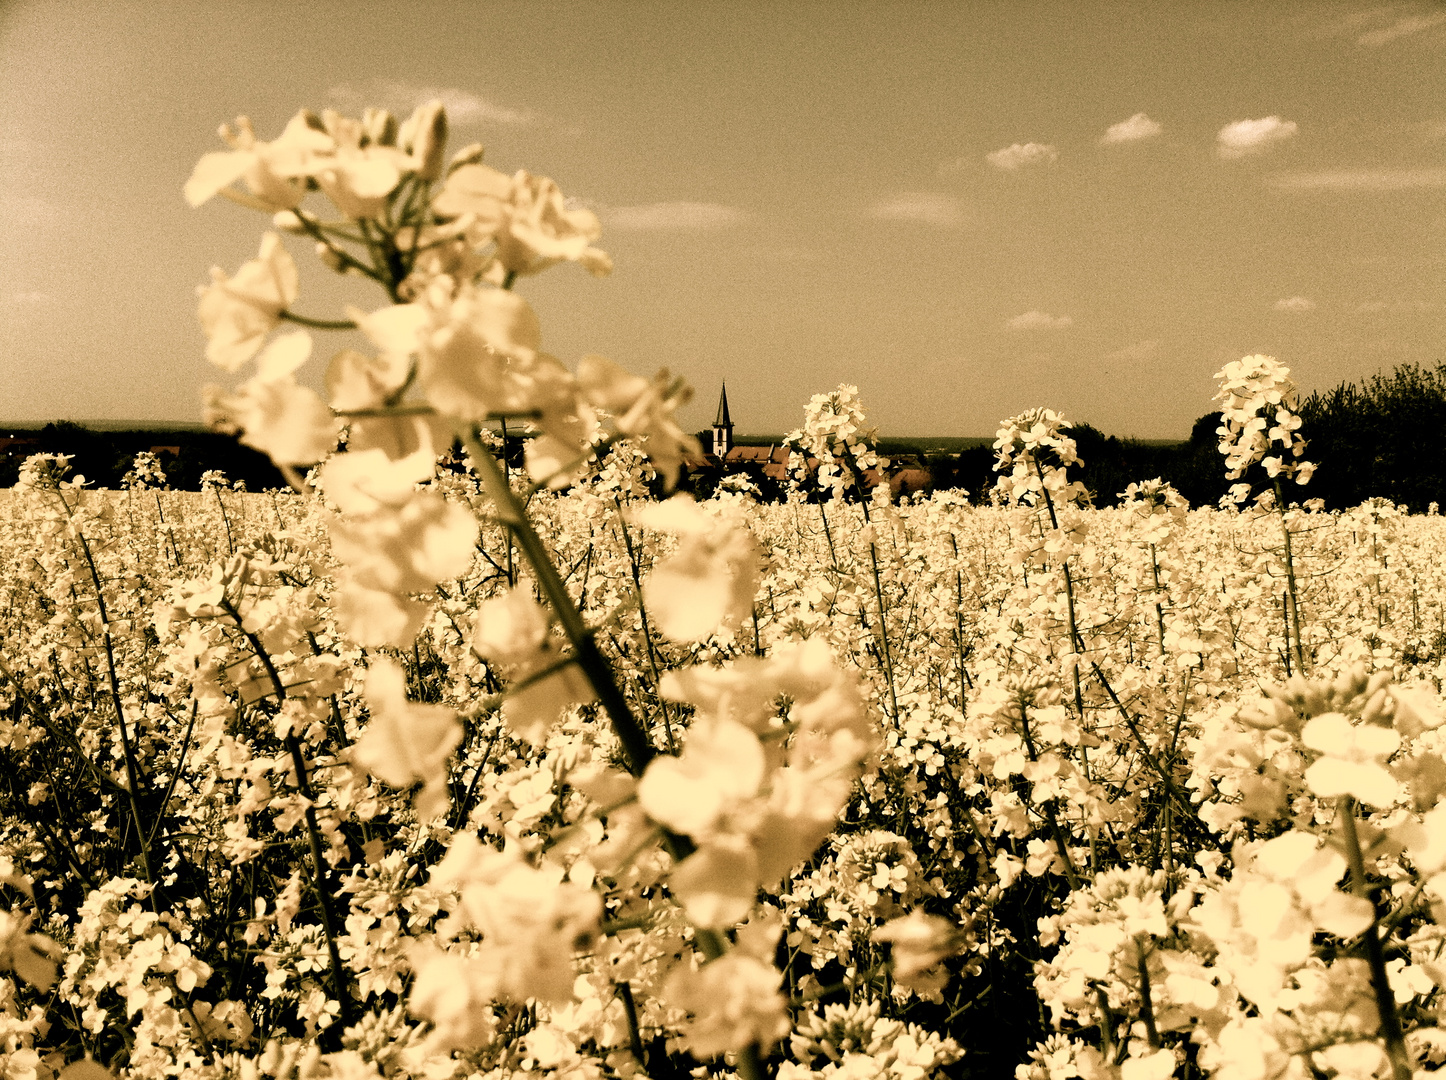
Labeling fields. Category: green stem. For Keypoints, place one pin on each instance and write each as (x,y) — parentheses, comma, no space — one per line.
(636,747)
(1076,645)
(633,562)
(1380,983)
(317,324)
(321,875)
(1290,584)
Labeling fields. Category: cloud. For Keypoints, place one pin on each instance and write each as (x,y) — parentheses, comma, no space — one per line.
(1294,304)
(1403,26)
(923,207)
(1134,129)
(1039,320)
(661,216)
(1359,179)
(1136,353)
(401,98)
(1015,157)
(1245,137)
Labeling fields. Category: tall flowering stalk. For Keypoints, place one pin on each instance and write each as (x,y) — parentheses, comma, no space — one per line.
(835,448)
(1259,426)
(457,348)
(1033,450)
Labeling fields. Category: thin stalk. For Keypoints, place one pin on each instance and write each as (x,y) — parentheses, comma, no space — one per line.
(134,777)
(1056,830)
(1380,983)
(225,520)
(1290,582)
(883,620)
(637,749)
(630,1013)
(647,629)
(1147,1007)
(1159,608)
(1075,644)
(320,872)
(316,324)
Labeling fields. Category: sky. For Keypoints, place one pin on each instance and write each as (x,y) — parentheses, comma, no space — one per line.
(966,210)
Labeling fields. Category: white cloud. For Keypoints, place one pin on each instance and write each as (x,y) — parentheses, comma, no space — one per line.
(1019,155)
(924,207)
(1294,304)
(1134,129)
(659,216)
(1039,320)
(1246,137)
(1359,179)
(463,107)
(1403,26)
(1136,353)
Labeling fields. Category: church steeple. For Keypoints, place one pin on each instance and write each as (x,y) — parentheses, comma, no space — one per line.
(722,426)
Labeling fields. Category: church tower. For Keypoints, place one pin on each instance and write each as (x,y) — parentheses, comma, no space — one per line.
(722,426)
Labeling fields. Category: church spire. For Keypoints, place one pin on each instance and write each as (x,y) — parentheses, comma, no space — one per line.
(722,426)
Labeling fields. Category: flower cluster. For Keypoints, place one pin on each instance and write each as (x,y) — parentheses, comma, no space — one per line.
(1258,424)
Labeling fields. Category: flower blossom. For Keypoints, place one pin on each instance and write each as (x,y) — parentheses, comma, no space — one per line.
(526,216)
(286,421)
(710,579)
(1352,759)
(643,409)
(237,313)
(1257,400)
(532,922)
(513,630)
(405,742)
(393,551)
(756,811)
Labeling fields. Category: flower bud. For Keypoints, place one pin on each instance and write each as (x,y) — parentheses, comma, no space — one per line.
(471,154)
(330,257)
(1267,713)
(287,221)
(424,136)
(379,127)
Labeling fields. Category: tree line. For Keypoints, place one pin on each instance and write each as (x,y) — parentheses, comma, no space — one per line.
(1382,437)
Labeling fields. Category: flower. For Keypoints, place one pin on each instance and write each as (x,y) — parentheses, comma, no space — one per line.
(526,216)
(532,922)
(1257,397)
(288,422)
(237,313)
(921,943)
(406,743)
(1352,759)
(539,230)
(731,1002)
(642,408)
(710,579)
(409,549)
(513,630)
(271,170)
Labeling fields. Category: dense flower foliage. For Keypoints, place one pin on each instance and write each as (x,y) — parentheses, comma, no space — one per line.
(431,769)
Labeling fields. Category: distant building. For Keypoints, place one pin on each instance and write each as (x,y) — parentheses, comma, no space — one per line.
(769,465)
(14,444)
(722,427)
